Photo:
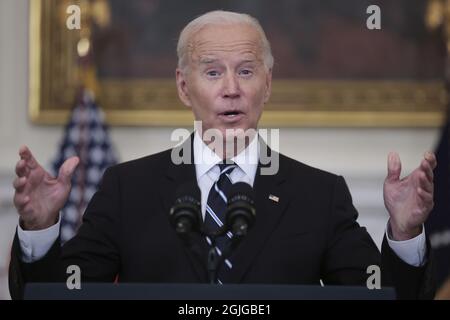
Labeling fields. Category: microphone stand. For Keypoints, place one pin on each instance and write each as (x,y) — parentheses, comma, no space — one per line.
(213,262)
(214,259)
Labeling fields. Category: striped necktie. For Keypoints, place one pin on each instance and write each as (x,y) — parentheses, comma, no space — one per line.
(216,206)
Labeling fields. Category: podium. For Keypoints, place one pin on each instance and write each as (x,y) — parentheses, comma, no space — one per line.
(154,291)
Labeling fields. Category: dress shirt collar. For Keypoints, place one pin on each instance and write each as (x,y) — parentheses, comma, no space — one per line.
(205,158)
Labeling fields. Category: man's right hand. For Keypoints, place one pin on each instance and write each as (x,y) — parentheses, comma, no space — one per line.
(38,196)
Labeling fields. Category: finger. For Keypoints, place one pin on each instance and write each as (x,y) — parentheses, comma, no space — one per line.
(67,169)
(394,167)
(20,200)
(425,183)
(431,158)
(426,197)
(21,169)
(26,155)
(19,183)
(425,166)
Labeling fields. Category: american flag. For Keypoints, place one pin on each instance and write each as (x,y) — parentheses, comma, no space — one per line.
(85,136)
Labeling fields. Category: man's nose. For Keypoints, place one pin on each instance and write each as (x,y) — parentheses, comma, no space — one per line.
(231,87)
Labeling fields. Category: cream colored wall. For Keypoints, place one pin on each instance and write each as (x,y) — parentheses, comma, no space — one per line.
(358,154)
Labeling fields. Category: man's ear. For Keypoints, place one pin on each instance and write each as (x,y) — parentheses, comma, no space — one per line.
(268,86)
(183,91)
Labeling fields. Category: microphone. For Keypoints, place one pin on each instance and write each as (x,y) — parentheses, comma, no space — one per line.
(241,211)
(185,214)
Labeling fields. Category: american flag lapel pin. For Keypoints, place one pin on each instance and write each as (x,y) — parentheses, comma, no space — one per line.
(274,198)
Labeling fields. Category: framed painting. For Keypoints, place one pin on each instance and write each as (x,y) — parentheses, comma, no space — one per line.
(330,69)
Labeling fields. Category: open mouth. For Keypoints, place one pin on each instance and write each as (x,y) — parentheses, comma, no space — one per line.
(231,116)
(231,113)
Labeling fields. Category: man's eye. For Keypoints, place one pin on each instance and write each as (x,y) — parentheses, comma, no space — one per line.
(246,72)
(212,73)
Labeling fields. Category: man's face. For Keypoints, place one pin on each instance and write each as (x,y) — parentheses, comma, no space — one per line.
(226,83)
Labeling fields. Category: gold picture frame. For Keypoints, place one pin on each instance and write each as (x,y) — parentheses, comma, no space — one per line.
(54,78)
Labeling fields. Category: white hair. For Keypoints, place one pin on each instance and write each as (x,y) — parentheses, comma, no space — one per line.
(220,17)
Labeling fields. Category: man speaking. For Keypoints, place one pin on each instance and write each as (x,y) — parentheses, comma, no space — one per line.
(305,229)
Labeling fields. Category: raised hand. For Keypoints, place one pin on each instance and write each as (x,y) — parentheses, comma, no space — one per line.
(38,195)
(409,200)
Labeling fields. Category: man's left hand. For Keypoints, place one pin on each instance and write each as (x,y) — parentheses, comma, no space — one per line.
(409,200)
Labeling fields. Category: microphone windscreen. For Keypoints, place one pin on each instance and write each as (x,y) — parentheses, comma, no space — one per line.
(185,213)
(241,191)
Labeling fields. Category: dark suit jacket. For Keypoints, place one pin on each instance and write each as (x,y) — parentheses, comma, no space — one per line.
(310,234)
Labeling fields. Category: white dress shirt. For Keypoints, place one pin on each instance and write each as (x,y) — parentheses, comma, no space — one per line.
(208,172)
(35,244)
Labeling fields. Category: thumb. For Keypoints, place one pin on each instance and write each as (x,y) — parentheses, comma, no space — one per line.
(394,167)
(67,169)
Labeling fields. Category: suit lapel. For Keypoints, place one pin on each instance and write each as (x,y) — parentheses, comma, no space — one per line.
(194,245)
(271,200)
